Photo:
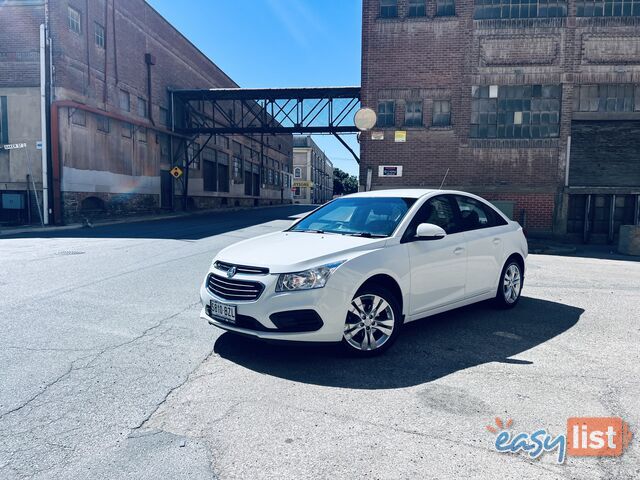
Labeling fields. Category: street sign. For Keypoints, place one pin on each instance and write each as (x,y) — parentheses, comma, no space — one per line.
(302,184)
(39,145)
(176,172)
(15,146)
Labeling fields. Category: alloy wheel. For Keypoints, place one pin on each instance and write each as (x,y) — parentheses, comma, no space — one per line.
(512,283)
(370,322)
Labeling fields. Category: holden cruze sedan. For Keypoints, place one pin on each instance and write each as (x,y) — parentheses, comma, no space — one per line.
(358,268)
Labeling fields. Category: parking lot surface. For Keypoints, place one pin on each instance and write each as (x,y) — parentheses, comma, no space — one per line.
(106,371)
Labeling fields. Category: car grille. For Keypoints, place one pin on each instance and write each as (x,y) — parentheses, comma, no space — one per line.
(232,289)
(224,266)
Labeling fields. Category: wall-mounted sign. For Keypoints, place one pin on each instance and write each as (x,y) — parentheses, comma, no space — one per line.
(302,184)
(379,135)
(15,146)
(39,145)
(390,171)
(401,136)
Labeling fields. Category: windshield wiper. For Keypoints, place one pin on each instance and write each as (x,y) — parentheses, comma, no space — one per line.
(312,230)
(365,235)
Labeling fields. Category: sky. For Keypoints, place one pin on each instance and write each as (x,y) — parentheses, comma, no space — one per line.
(278,43)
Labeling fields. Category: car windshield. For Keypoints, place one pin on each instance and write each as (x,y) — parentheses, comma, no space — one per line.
(361,216)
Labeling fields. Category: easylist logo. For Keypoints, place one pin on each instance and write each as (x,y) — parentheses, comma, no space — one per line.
(585,437)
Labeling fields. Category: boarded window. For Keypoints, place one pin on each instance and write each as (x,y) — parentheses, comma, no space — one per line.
(79,117)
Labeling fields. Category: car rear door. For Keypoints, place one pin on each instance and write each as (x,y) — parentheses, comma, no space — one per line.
(438,267)
(484,230)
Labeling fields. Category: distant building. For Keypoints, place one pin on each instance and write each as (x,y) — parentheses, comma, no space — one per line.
(312,172)
(534,105)
(110,145)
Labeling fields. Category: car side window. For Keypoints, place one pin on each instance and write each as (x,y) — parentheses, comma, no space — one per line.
(438,211)
(475,215)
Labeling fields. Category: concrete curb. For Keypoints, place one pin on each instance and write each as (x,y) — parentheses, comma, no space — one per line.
(136,219)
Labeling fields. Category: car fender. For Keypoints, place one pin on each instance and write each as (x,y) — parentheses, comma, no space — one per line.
(392,261)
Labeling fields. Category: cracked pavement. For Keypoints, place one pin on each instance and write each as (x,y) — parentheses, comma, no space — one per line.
(106,370)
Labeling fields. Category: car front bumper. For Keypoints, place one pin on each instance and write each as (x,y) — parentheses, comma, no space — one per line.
(330,303)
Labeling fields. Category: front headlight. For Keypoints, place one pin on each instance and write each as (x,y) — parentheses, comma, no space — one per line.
(313,278)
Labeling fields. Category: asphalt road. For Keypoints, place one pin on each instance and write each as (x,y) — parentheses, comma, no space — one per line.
(106,370)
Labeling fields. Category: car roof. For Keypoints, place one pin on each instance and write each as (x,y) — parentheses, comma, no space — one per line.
(404,193)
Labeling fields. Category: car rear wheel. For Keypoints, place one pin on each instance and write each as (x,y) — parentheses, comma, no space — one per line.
(373,322)
(510,286)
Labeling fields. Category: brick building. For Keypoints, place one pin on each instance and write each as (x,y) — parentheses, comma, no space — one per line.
(533,104)
(110,148)
(312,167)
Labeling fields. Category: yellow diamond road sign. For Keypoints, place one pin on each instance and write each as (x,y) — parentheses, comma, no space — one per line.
(176,172)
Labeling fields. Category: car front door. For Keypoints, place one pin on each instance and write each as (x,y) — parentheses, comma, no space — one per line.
(484,231)
(438,267)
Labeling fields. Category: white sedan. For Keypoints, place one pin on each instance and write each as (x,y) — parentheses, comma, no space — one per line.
(358,268)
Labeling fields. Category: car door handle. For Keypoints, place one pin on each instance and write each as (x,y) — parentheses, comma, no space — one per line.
(458,251)
(496,241)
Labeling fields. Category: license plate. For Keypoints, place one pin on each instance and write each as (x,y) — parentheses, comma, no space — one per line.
(222,311)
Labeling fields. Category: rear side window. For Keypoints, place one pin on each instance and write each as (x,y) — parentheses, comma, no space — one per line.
(475,215)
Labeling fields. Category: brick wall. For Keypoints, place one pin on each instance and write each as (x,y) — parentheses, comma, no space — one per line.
(440,58)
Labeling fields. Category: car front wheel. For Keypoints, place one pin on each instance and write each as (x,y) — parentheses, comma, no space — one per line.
(373,322)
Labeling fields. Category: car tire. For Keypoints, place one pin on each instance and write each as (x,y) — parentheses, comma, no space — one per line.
(510,285)
(372,323)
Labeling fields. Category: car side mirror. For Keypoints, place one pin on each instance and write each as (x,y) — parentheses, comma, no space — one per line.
(429,231)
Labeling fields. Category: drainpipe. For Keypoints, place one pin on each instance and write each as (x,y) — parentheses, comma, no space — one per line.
(43,123)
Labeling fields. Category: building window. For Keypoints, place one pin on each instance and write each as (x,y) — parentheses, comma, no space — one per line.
(99,35)
(237,169)
(142,108)
(417,8)
(209,170)
(223,172)
(441,115)
(608,8)
(125,101)
(4,121)
(445,8)
(297,172)
(606,98)
(79,117)
(222,141)
(413,114)
(164,117)
(194,156)
(519,9)
(388,8)
(386,113)
(518,111)
(127,130)
(142,135)
(75,22)
(103,123)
